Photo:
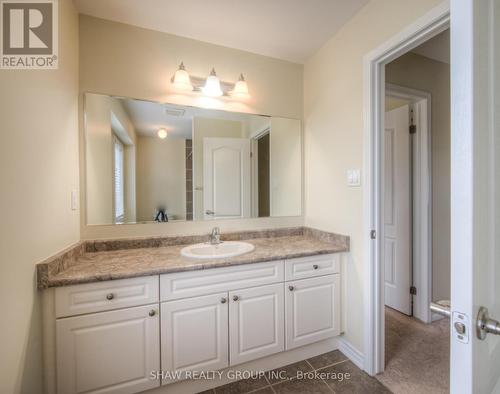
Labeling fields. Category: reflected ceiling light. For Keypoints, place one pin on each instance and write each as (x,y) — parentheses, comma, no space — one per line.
(240,88)
(212,85)
(162,133)
(181,79)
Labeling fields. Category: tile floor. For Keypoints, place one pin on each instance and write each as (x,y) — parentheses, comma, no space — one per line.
(329,368)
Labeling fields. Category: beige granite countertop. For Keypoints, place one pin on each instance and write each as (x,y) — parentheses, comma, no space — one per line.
(127,263)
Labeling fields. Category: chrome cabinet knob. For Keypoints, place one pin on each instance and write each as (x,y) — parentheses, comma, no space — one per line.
(152,312)
(315,266)
(223,300)
(110,296)
(236,298)
(291,288)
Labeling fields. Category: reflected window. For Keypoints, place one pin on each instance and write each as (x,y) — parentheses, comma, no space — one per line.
(119,182)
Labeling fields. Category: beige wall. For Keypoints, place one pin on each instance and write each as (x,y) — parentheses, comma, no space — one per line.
(99,159)
(208,128)
(418,72)
(38,170)
(286,167)
(129,61)
(333,116)
(161,177)
(99,156)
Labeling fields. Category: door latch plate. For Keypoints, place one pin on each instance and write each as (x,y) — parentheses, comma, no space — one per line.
(461,326)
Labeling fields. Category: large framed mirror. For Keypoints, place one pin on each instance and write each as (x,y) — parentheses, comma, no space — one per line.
(148,161)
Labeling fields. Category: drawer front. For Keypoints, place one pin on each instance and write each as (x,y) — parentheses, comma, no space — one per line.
(309,267)
(214,280)
(104,296)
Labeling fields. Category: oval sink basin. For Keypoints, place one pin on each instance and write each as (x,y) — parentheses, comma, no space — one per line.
(219,251)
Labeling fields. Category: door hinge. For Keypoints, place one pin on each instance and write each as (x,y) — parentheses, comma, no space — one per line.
(413,290)
(251,154)
(413,129)
(373,234)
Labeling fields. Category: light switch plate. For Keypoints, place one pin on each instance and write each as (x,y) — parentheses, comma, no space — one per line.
(354,177)
(74,200)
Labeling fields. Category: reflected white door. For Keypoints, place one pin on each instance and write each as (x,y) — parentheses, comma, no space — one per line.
(397,262)
(226,177)
(475,190)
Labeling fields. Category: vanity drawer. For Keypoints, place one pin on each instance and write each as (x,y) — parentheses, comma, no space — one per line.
(309,267)
(104,296)
(213,280)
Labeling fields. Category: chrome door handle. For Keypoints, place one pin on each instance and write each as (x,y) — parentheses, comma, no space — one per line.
(209,212)
(440,309)
(485,324)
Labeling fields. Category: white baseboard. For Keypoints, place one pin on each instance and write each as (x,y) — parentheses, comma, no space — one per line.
(351,352)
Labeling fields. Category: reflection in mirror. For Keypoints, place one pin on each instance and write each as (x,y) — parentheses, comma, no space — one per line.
(148,161)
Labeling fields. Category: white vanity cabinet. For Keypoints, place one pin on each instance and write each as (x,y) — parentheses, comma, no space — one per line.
(110,336)
(312,310)
(256,322)
(111,352)
(194,334)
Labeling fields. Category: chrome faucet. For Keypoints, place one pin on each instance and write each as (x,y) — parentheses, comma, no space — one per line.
(215,236)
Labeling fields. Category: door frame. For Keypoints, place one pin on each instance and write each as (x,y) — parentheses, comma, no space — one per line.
(254,151)
(429,25)
(421,190)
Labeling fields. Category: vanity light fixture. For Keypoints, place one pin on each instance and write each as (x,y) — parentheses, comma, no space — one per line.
(212,85)
(240,88)
(181,79)
(162,133)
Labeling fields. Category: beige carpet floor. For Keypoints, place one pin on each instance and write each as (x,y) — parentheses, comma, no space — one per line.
(417,355)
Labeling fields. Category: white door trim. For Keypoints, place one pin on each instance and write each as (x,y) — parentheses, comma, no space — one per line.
(427,26)
(422,197)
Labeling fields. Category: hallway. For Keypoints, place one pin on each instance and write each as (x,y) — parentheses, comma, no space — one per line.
(417,355)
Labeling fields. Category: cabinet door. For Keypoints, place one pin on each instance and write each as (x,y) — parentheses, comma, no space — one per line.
(312,310)
(256,322)
(194,334)
(108,352)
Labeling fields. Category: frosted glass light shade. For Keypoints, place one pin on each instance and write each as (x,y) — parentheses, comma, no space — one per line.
(162,133)
(181,79)
(212,85)
(240,88)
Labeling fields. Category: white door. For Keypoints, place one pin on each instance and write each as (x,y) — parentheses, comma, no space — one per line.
(312,310)
(194,334)
(256,322)
(475,191)
(108,352)
(226,178)
(397,258)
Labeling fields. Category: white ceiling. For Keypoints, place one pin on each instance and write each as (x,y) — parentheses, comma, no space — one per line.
(437,48)
(285,29)
(148,117)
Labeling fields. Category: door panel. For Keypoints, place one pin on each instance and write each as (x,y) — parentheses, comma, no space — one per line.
(312,310)
(226,177)
(397,247)
(475,190)
(256,321)
(108,352)
(194,334)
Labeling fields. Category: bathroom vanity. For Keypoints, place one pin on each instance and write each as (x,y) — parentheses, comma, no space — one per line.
(114,319)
